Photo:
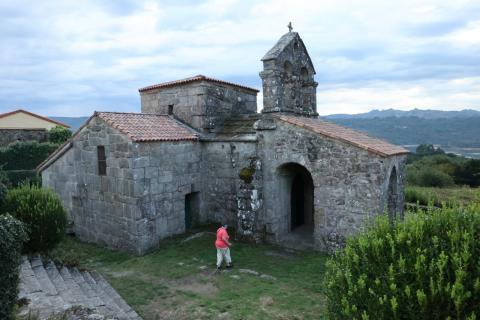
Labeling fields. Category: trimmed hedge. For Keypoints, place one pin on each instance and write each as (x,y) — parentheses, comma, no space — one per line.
(12,236)
(25,155)
(425,267)
(42,212)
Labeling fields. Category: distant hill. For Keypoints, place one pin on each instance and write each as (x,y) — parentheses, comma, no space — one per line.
(74,122)
(423,114)
(453,132)
(451,129)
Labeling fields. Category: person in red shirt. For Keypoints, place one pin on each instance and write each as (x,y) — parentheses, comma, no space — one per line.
(222,244)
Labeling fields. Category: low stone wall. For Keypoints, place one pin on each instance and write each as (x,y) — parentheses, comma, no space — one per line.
(8,136)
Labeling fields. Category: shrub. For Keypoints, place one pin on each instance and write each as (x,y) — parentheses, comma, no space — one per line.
(425,267)
(12,236)
(3,187)
(18,177)
(25,155)
(41,211)
(59,134)
(430,177)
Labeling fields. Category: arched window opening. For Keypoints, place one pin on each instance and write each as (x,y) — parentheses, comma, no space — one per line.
(392,202)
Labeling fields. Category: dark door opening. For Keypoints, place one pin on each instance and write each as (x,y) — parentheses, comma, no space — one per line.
(191,210)
(297,202)
(297,192)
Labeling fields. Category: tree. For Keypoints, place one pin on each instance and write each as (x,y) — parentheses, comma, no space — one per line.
(428,149)
(59,134)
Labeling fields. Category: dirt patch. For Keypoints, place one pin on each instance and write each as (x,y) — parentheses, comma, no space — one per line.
(204,288)
(266,301)
(120,274)
(174,308)
(282,254)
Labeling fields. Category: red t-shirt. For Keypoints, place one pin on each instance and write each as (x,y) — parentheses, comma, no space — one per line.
(221,234)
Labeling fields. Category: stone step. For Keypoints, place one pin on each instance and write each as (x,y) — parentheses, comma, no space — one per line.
(51,289)
(29,283)
(42,277)
(58,282)
(94,300)
(75,294)
(109,301)
(110,306)
(107,288)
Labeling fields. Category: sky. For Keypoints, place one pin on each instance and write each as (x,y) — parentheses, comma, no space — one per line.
(70,58)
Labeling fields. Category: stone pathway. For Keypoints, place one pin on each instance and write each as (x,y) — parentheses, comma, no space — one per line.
(52,290)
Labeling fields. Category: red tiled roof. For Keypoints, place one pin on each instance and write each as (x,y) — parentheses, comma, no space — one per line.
(148,127)
(346,135)
(194,79)
(3,115)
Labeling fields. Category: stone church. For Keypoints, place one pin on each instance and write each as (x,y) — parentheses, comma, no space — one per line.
(200,153)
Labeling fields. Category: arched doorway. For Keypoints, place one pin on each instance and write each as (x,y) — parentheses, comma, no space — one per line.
(392,202)
(296,192)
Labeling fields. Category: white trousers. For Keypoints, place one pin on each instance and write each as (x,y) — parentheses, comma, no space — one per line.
(223,253)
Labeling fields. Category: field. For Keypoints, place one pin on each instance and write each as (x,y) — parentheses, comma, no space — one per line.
(455,195)
(178,280)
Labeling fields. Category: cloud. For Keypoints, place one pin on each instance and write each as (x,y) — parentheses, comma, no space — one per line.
(70,57)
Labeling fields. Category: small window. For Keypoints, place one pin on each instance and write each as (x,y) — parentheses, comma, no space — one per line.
(102,161)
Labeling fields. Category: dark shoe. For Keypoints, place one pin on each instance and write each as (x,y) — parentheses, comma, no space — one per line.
(230,266)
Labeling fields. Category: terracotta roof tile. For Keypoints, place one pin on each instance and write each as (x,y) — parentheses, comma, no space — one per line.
(148,127)
(346,135)
(194,79)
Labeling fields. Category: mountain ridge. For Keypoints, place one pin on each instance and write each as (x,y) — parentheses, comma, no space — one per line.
(419,113)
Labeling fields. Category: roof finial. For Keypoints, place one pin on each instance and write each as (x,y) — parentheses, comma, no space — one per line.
(289,27)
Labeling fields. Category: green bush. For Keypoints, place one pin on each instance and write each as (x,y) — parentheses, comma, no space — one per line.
(41,211)
(425,267)
(25,155)
(12,236)
(430,177)
(18,177)
(59,134)
(3,187)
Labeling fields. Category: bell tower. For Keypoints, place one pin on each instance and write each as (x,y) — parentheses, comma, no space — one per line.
(287,78)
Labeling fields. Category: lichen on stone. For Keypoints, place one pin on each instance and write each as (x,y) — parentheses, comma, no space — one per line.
(246,174)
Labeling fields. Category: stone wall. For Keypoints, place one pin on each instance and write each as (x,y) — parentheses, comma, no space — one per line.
(141,198)
(8,136)
(350,184)
(222,163)
(288,78)
(164,173)
(203,105)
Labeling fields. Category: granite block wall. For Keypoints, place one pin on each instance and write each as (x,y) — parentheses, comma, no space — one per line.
(141,198)
(350,184)
(203,105)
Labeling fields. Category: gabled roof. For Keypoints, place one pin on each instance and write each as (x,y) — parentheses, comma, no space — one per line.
(352,137)
(281,44)
(195,79)
(141,127)
(4,115)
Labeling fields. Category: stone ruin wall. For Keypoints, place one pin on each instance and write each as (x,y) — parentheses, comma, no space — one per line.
(8,136)
(203,105)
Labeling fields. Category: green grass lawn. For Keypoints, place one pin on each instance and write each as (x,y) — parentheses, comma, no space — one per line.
(177,281)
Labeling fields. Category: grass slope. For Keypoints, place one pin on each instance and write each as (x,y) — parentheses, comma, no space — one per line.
(177,281)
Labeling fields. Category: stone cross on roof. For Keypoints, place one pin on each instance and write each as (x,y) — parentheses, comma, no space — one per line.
(289,27)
